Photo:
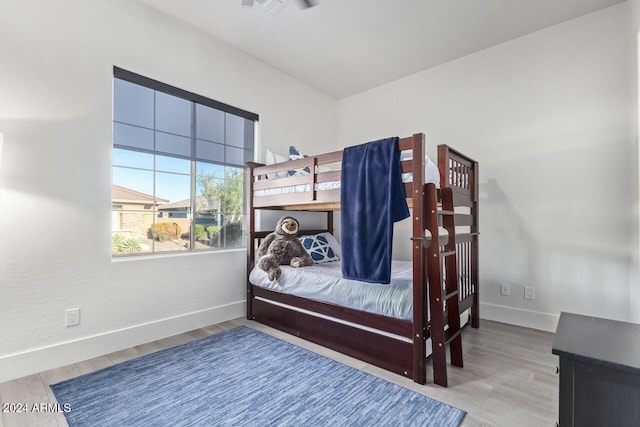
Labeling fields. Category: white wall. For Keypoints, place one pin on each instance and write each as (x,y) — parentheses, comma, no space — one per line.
(55,183)
(634,294)
(548,117)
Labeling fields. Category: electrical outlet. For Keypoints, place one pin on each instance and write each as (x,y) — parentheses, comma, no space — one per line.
(505,289)
(72,317)
(529,292)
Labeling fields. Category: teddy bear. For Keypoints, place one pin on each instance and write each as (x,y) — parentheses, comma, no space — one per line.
(282,247)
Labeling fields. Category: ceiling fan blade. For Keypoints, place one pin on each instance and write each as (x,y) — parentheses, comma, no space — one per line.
(307,3)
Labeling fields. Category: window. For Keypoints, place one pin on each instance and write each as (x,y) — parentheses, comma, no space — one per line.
(178,169)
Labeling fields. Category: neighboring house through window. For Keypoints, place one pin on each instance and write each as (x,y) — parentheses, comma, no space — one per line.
(178,168)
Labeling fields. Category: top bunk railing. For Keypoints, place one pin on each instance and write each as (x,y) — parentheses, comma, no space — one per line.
(317,187)
(460,173)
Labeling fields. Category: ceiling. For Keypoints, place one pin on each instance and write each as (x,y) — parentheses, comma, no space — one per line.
(343,47)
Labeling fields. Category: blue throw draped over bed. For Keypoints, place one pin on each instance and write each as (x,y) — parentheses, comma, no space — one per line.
(372,198)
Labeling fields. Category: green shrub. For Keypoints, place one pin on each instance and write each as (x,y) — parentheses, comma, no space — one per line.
(163,231)
(162,236)
(117,240)
(131,245)
(212,230)
(123,245)
(200,233)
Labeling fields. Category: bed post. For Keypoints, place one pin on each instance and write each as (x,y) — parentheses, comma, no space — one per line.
(330,221)
(443,165)
(251,228)
(417,241)
(475,230)
(448,169)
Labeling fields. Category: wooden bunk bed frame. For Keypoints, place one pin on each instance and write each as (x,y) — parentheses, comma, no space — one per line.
(393,344)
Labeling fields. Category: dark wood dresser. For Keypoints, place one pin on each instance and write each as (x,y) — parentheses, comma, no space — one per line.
(599,371)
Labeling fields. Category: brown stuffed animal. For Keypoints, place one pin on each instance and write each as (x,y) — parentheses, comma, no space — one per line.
(282,247)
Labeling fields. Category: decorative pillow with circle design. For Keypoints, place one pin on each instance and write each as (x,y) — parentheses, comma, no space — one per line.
(321,247)
(295,154)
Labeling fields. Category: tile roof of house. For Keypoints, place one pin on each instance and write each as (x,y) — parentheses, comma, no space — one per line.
(182,204)
(124,194)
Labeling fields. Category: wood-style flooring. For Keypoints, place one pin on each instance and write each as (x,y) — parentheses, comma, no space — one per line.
(508,377)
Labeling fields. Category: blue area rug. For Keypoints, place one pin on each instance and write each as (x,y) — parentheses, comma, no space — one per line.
(243,378)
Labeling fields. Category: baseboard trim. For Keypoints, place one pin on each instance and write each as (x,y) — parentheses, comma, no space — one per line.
(17,365)
(519,317)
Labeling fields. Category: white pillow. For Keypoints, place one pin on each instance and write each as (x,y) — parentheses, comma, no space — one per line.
(330,167)
(270,159)
(431,171)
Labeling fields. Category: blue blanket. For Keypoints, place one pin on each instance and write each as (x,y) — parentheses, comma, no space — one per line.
(372,198)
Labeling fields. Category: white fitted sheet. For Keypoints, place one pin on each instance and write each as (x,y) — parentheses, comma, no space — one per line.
(331,185)
(324,282)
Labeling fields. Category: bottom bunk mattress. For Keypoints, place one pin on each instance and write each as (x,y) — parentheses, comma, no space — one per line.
(324,282)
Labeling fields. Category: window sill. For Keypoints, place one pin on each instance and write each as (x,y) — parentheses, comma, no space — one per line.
(173,255)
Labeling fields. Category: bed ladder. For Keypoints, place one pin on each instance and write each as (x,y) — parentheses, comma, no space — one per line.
(439,295)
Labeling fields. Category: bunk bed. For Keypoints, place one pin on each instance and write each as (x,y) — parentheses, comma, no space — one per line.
(437,279)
